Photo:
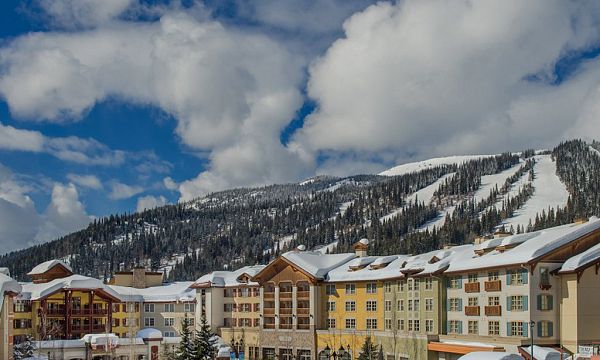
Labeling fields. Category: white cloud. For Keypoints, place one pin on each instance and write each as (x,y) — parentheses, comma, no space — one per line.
(82,13)
(17,139)
(170,184)
(88,181)
(231,91)
(424,78)
(150,202)
(123,191)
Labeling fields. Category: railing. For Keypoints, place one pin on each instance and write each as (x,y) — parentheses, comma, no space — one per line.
(472,287)
(303,326)
(303,294)
(285,295)
(269,295)
(493,285)
(99,328)
(99,311)
(54,312)
(269,311)
(472,310)
(303,311)
(285,311)
(268,326)
(285,326)
(495,310)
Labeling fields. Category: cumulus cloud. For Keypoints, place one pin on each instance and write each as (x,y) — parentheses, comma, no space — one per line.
(150,202)
(424,78)
(20,223)
(17,139)
(232,92)
(88,181)
(82,13)
(119,191)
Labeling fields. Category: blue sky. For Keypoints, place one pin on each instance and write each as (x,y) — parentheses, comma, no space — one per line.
(108,106)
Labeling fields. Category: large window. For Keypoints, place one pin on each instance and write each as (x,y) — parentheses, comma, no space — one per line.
(545,302)
(371,305)
(545,329)
(401,324)
(454,327)
(148,308)
(169,321)
(388,324)
(388,287)
(517,303)
(148,322)
(350,323)
(494,328)
(401,285)
(413,325)
(371,324)
(428,304)
(350,306)
(350,289)
(303,354)
(169,307)
(455,304)
(371,288)
(388,305)
(517,328)
(189,307)
(517,277)
(417,306)
(416,284)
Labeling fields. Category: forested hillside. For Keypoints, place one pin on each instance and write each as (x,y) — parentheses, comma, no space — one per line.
(419,211)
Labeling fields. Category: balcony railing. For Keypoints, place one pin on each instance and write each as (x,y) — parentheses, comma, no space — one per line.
(495,310)
(472,310)
(285,295)
(99,311)
(303,326)
(493,285)
(56,312)
(303,311)
(303,294)
(472,287)
(268,326)
(269,311)
(269,295)
(285,326)
(285,311)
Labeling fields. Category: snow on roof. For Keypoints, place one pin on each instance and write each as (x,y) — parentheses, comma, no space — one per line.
(537,244)
(344,272)
(59,344)
(149,333)
(5,271)
(579,261)
(8,284)
(488,355)
(431,163)
(364,241)
(224,352)
(505,241)
(175,291)
(544,353)
(316,263)
(47,265)
(33,291)
(100,339)
(228,278)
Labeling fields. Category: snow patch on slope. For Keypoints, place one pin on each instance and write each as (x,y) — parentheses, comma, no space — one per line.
(489,182)
(431,163)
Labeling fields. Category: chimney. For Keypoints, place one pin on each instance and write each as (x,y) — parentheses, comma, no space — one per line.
(501,234)
(139,278)
(361,247)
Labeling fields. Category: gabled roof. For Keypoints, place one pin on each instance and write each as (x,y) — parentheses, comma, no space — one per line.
(33,291)
(362,269)
(437,261)
(47,265)
(315,263)
(581,261)
(8,285)
(228,278)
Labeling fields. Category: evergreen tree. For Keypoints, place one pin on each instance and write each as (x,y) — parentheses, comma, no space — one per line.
(24,349)
(186,350)
(204,341)
(368,350)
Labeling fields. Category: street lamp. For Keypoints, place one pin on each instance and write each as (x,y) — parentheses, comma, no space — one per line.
(531,325)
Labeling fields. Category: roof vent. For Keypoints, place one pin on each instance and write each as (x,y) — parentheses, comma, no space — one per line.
(361,247)
(301,247)
(501,234)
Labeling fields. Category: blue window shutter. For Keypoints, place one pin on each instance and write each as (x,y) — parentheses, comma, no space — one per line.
(525,303)
(447,327)
(539,302)
(524,276)
(539,329)
(550,302)
(508,303)
(460,281)
(524,326)
(460,327)
(508,329)
(508,277)
(460,308)
(550,329)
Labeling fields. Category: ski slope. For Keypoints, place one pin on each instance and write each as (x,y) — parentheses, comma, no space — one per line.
(489,182)
(549,192)
(422,195)
(431,163)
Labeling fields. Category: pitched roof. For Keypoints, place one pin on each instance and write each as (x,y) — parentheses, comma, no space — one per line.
(368,268)
(581,261)
(170,292)
(47,265)
(33,291)
(228,278)
(315,263)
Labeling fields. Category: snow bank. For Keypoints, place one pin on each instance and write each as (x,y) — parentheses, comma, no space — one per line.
(488,355)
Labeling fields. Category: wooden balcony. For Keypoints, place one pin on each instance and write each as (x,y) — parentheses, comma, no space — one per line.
(303,311)
(285,311)
(303,295)
(269,295)
(472,287)
(269,311)
(472,310)
(285,295)
(495,310)
(287,326)
(269,326)
(303,326)
(494,285)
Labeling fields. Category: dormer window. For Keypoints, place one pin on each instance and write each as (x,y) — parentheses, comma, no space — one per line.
(433,260)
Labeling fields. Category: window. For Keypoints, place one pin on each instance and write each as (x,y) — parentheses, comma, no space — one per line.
(493,276)
(410,284)
(473,278)
(303,354)
(417,325)
(401,324)
(189,307)
(410,305)
(330,289)
(517,328)
(517,277)
(428,284)
(245,307)
(388,324)
(228,292)
(331,306)
(350,306)
(455,282)
(169,334)
(416,284)
(545,329)
(21,306)
(454,327)
(410,325)
(494,328)
(401,285)
(428,304)
(371,324)
(148,308)
(228,307)
(169,321)
(544,277)
(388,287)
(388,305)
(455,304)
(169,307)
(350,323)
(400,305)
(148,322)
(331,323)
(371,305)
(22,323)
(350,289)
(429,325)
(517,303)
(371,288)
(493,301)
(473,327)
(473,301)
(417,305)
(545,302)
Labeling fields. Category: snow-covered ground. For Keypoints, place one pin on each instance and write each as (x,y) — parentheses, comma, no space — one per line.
(439,221)
(431,163)
(422,195)
(489,182)
(594,150)
(549,192)
(329,248)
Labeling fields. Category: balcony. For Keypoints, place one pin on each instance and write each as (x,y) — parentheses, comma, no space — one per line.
(285,311)
(56,312)
(303,311)
(269,311)
(303,294)
(472,310)
(268,326)
(472,287)
(99,311)
(303,326)
(495,310)
(493,285)
(287,326)
(269,295)
(285,295)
